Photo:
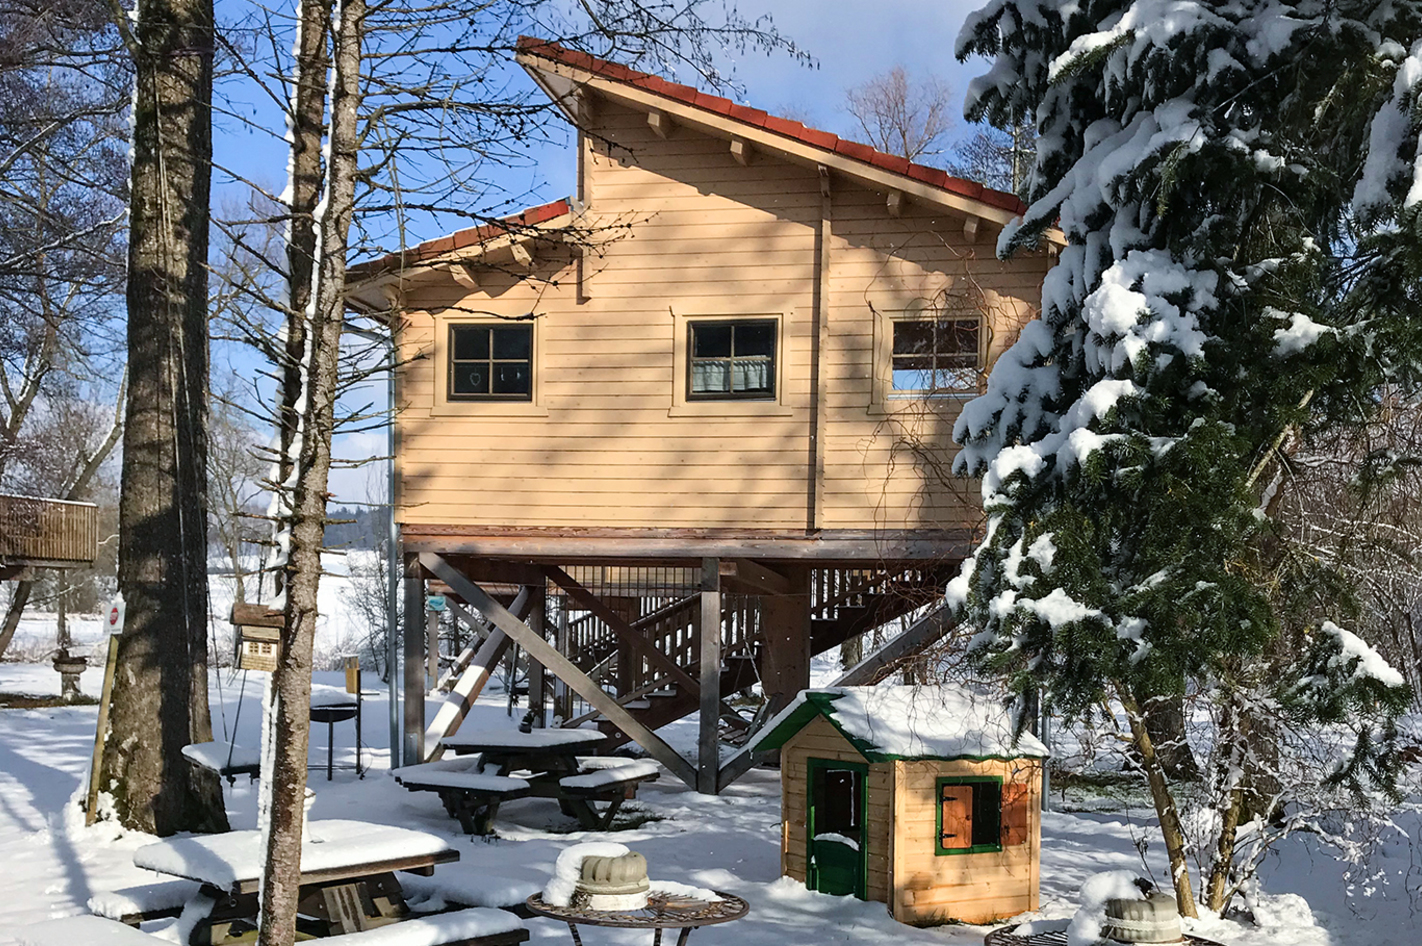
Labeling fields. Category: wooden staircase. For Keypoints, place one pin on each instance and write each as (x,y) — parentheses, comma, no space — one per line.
(845,602)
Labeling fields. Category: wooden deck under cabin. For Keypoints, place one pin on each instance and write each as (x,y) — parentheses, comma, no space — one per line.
(47,533)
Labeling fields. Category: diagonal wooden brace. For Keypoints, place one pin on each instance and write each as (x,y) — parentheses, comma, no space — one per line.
(559,665)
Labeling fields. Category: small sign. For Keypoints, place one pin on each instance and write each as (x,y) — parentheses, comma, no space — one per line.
(113,618)
(435,603)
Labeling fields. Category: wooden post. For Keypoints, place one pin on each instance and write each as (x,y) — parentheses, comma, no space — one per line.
(785,632)
(413,746)
(562,693)
(432,649)
(101,734)
(708,761)
(538,621)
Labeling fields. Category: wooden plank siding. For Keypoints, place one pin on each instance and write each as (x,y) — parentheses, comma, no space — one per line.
(47,532)
(609,439)
(931,888)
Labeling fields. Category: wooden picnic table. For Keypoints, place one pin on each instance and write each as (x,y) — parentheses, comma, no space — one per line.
(543,763)
(347,880)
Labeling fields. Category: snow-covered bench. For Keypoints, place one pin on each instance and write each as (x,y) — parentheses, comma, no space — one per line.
(133,905)
(228,761)
(611,783)
(468,795)
(476,927)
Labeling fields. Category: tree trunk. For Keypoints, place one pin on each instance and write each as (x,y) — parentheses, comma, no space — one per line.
(1165,808)
(160,701)
(1165,721)
(292,680)
(1230,776)
(14,612)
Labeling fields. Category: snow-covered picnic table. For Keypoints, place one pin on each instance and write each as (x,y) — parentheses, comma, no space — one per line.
(494,766)
(347,871)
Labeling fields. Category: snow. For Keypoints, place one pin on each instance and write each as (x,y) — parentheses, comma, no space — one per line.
(84,931)
(568,869)
(435,930)
(473,781)
(850,843)
(225,860)
(218,755)
(513,739)
(1298,335)
(610,775)
(142,898)
(921,722)
(670,888)
(1085,927)
(1370,663)
(323,695)
(728,842)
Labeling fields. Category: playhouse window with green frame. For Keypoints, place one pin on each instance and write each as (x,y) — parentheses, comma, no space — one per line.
(976,815)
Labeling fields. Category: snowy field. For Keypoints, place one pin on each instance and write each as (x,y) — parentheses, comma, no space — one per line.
(54,864)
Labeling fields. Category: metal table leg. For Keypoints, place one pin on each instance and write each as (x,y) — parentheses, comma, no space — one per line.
(577,940)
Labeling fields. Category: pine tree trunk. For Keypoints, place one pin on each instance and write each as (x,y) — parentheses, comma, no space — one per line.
(160,701)
(1165,720)
(292,680)
(1165,808)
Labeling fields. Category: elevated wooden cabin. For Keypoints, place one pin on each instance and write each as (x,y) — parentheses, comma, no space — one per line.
(46,533)
(915,796)
(721,379)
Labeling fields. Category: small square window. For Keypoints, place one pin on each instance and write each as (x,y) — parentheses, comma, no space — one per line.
(969,815)
(935,356)
(732,360)
(491,362)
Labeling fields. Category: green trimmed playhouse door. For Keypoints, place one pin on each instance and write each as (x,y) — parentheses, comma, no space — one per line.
(836,827)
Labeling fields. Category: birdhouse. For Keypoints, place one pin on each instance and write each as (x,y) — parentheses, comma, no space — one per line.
(917,796)
(258,636)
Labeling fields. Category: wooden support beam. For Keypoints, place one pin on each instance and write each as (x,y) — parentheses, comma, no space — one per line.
(477,634)
(561,667)
(922,633)
(970,229)
(741,151)
(538,623)
(521,253)
(586,106)
(621,627)
(660,123)
(743,576)
(824,180)
(472,680)
(896,203)
(413,745)
(708,759)
(785,640)
(432,649)
(465,275)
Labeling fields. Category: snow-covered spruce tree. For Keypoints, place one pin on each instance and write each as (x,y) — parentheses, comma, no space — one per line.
(1210,303)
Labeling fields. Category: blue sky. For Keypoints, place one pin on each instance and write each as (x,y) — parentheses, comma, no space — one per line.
(851,40)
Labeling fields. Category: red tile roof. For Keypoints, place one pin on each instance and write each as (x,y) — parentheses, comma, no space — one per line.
(934,177)
(462,238)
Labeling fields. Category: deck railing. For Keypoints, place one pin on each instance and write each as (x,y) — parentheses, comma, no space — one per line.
(47,532)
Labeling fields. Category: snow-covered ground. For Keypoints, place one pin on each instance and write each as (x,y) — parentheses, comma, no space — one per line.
(53,864)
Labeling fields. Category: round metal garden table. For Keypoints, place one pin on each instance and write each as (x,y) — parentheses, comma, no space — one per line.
(661,913)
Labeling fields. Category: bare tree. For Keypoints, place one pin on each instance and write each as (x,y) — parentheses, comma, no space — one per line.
(998,158)
(901,114)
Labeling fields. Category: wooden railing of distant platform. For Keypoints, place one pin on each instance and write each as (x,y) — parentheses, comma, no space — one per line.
(47,533)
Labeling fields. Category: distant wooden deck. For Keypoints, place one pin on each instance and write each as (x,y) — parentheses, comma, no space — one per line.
(47,533)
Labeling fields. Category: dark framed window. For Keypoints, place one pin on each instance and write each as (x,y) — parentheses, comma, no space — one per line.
(935,356)
(491,362)
(969,815)
(731,360)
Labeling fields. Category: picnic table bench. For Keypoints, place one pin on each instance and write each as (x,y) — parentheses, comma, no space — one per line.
(477,926)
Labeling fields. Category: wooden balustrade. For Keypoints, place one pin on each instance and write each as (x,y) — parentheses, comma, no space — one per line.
(47,533)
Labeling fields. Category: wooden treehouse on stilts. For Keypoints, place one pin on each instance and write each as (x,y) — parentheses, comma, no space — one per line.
(674,436)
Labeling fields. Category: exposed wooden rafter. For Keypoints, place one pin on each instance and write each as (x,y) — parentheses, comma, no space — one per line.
(741,151)
(970,229)
(521,253)
(659,122)
(895,203)
(824,180)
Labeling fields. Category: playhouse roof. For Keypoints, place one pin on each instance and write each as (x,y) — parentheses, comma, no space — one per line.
(890,723)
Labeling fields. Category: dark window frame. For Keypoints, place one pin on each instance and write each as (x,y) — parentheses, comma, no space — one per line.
(974,782)
(491,361)
(934,355)
(733,395)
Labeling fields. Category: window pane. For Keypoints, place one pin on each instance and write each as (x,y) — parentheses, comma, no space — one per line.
(840,805)
(912,380)
(987,804)
(511,377)
(911,338)
(957,379)
(751,376)
(471,342)
(710,377)
(710,340)
(513,342)
(958,336)
(755,338)
(471,378)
